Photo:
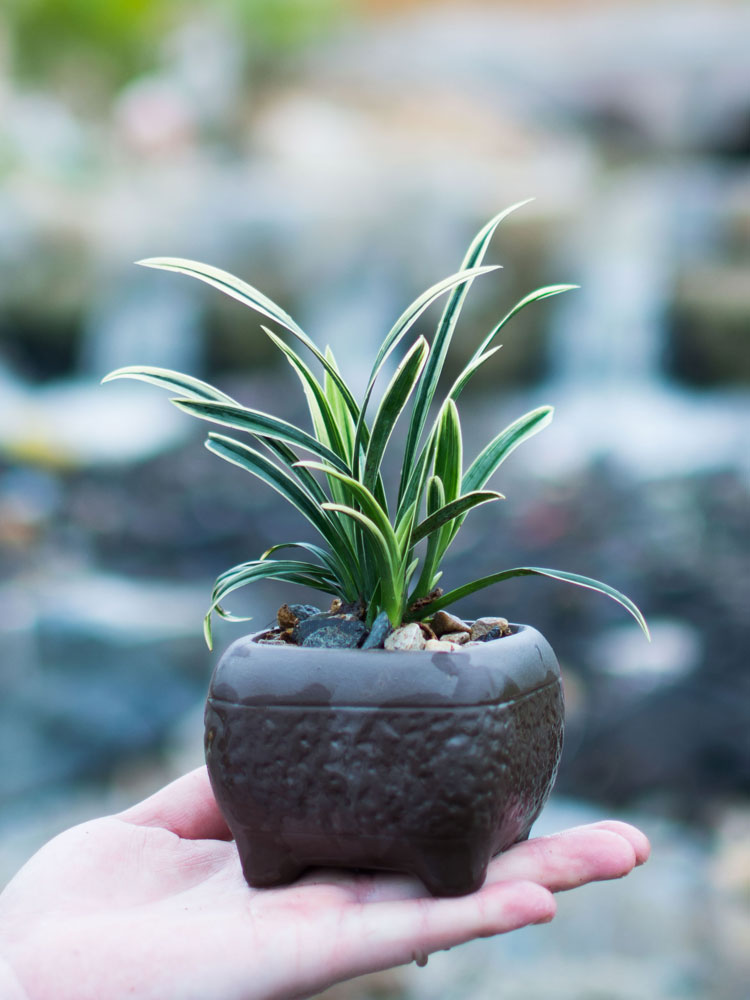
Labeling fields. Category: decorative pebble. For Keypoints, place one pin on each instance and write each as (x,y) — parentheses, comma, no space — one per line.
(381,629)
(459,638)
(406,637)
(303,611)
(494,633)
(290,615)
(482,626)
(443,623)
(333,633)
(440,646)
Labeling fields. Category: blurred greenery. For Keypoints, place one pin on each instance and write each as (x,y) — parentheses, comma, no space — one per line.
(54,42)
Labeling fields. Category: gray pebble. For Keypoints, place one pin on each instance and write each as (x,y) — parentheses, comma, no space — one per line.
(381,629)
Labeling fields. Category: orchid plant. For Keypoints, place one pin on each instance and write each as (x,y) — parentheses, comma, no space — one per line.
(382,552)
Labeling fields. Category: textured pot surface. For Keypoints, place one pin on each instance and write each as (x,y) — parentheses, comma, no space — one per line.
(428,763)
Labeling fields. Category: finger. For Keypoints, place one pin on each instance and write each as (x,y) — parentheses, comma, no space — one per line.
(187,807)
(559,862)
(375,936)
(637,838)
(566,860)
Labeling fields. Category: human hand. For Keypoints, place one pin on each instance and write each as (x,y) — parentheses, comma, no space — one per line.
(152,904)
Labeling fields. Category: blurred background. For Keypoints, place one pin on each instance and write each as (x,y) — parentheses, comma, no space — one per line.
(340,156)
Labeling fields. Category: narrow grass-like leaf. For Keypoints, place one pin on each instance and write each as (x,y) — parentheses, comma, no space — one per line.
(536,296)
(257,423)
(325,557)
(460,384)
(287,570)
(452,510)
(556,574)
(449,450)
(434,501)
(186,385)
(390,585)
(325,420)
(369,505)
(428,386)
(492,456)
(393,402)
(341,415)
(418,479)
(254,462)
(404,528)
(249,296)
(402,326)
(351,571)
(227,283)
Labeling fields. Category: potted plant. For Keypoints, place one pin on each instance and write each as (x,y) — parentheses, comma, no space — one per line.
(383,732)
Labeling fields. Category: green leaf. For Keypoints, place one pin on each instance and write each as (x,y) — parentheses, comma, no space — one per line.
(428,387)
(391,586)
(404,323)
(417,480)
(249,296)
(495,453)
(325,421)
(449,450)
(230,285)
(341,416)
(254,462)
(435,501)
(186,385)
(404,527)
(287,570)
(255,422)
(394,400)
(452,510)
(369,505)
(460,384)
(580,581)
(326,558)
(541,293)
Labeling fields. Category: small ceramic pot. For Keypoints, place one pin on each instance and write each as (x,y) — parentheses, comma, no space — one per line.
(418,762)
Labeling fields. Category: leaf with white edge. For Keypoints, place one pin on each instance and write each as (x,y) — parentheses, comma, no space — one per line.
(434,501)
(476,363)
(449,450)
(321,411)
(580,581)
(426,392)
(536,296)
(452,510)
(342,416)
(165,378)
(389,570)
(327,559)
(252,461)
(404,526)
(392,404)
(286,570)
(495,453)
(249,296)
(369,505)
(254,422)
(405,322)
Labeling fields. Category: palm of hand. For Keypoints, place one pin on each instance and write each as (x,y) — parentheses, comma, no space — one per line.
(152,903)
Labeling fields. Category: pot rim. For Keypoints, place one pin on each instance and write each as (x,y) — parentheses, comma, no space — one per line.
(503,670)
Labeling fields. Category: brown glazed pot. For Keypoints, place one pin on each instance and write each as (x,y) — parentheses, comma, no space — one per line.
(419,762)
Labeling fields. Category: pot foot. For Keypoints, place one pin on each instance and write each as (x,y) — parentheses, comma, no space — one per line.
(265,863)
(449,870)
